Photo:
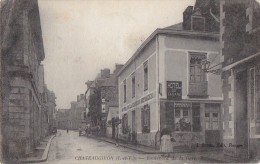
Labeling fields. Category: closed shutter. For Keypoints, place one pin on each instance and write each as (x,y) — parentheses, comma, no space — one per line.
(148,117)
(142,119)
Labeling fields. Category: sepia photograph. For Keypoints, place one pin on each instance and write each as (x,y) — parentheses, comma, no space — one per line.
(129,81)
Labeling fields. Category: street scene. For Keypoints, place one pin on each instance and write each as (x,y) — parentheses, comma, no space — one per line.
(110,81)
(70,148)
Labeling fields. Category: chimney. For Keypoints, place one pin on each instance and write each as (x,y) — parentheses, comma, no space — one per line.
(105,73)
(81,96)
(88,83)
(118,67)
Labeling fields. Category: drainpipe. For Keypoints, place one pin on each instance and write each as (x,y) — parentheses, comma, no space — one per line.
(1,88)
(158,87)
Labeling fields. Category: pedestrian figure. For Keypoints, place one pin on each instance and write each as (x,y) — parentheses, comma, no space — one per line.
(116,130)
(166,145)
(67,130)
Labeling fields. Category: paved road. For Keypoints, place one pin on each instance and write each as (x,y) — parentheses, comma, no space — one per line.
(70,148)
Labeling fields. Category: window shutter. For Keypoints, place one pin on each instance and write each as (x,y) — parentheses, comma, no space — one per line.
(142,119)
(148,117)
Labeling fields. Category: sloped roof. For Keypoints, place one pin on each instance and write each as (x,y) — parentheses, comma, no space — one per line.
(176,27)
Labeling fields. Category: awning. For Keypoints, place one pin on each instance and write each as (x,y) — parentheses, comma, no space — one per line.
(241,62)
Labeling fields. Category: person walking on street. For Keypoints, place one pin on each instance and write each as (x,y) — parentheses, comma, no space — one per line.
(67,130)
(166,142)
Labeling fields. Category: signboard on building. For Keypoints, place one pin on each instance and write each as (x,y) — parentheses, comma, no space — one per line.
(174,90)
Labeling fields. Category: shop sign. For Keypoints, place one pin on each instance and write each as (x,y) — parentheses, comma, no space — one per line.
(174,90)
(139,101)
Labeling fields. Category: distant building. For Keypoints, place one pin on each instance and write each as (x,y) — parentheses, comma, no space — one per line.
(62,118)
(164,85)
(22,52)
(104,91)
(240,54)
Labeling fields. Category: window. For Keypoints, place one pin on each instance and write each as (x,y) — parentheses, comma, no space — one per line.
(124,90)
(187,117)
(146,119)
(198,23)
(133,85)
(197,74)
(182,119)
(125,124)
(145,76)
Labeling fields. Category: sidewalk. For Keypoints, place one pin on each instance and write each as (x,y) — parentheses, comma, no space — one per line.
(41,152)
(214,155)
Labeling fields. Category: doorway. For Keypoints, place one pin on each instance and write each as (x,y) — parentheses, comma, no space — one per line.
(212,124)
(133,126)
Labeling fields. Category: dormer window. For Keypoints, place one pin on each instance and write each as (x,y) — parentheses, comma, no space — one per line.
(197,21)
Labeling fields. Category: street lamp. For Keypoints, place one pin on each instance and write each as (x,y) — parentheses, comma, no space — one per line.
(206,67)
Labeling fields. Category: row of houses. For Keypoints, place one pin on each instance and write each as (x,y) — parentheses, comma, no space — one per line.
(27,105)
(73,117)
(198,79)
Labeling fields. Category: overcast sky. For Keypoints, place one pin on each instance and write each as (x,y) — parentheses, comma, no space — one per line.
(83,36)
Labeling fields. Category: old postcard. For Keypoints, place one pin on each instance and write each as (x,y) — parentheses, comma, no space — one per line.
(127,81)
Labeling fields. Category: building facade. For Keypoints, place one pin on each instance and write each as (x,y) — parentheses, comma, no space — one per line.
(22,52)
(240,38)
(102,99)
(164,84)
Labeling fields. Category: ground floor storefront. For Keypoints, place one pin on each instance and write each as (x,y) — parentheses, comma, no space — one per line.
(192,123)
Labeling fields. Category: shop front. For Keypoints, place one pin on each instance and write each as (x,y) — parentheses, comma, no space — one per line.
(193,123)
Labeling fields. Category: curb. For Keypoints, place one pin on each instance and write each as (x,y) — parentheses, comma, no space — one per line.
(45,153)
(129,147)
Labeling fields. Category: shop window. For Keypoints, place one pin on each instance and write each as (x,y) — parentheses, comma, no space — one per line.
(133,85)
(145,76)
(182,119)
(187,118)
(125,124)
(146,119)
(124,90)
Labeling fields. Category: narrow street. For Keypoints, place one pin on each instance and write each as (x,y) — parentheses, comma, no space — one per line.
(70,148)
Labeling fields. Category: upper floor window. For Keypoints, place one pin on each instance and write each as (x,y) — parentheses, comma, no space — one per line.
(197,74)
(145,76)
(133,85)
(197,21)
(124,90)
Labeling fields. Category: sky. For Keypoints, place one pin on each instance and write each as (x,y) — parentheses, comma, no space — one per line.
(81,37)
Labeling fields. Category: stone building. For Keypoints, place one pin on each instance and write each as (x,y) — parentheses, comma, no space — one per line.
(165,86)
(22,52)
(240,45)
(104,91)
(62,118)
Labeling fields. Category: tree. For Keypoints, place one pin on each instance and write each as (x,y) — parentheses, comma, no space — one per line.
(95,107)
